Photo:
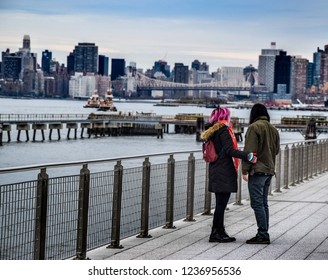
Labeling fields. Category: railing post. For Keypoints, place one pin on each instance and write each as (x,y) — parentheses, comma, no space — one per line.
(190,189)
(315,158)
(208,195)
(325,160)
(144,228)
(306,156)
(292,160)
(1,130)
(239,185)
(310,159)
(83,209)
(278,172)
(301,161)
(320,154)
(117,202)
(286,168)
(41,215)
(296,163)
(170,193)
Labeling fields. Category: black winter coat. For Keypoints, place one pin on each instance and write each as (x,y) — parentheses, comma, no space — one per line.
(222,172)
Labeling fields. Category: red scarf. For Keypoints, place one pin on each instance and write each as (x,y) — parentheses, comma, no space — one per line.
(234,141)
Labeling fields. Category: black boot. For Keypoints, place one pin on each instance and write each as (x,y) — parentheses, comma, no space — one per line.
(225,236)
(220,236)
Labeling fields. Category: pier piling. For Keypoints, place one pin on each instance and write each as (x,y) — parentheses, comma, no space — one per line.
(25,127)
(57,126)
(70,126)
(88,127)
(38,126)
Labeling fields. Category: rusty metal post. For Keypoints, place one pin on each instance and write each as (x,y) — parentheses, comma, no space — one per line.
(321,156)
(83,209)
(306,161)
(310,159)
(170,193)
(296,163)
(292,162)
(286,168)
(315,159)
(190,189)
(117,202)
(41,215)
(278,173)
(145,199)
(300,163)
(208,195)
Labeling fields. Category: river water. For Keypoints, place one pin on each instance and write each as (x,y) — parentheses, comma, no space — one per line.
(26,153)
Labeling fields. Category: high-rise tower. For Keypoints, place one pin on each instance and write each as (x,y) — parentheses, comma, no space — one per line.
(27,42)
(118,68)
(103,65)
(282,73)
(86,58)
(266,66)
(46,60)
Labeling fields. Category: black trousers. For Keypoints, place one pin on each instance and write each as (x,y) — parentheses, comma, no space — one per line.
(221,204)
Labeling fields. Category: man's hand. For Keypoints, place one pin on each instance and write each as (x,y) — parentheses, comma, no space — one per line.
(245,178)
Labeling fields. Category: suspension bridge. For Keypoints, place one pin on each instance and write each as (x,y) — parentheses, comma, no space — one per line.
(144,83)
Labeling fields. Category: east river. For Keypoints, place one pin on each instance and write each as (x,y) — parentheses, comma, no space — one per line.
(26,153)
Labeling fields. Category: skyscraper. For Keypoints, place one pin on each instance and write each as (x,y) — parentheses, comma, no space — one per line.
(266,66)
(282,69)
(118,68)
(86,58)
(299,77)
(70,63)
(103,65)
(161,66)
(46,60)
(11,65)
(27,42)
(181,75)
(317,66)
(324,66)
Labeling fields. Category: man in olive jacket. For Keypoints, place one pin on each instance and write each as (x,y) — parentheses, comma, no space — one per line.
(263,139)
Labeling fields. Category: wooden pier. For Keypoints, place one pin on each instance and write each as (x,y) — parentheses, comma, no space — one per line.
(100,125)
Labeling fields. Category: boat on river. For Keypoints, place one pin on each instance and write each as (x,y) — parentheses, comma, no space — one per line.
(93,101)
(107,103)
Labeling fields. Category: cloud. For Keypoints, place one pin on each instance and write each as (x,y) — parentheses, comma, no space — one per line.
(220,32)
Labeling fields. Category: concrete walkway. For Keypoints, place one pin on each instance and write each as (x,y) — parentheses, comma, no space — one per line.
(298,230)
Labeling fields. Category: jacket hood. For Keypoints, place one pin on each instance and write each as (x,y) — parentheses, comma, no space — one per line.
(208,133)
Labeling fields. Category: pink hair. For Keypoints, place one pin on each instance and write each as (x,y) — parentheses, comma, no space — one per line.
(220,114)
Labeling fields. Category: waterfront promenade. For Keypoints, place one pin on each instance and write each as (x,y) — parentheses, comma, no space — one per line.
(298,229)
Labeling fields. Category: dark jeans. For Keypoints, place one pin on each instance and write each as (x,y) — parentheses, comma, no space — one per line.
(221,200)
(258,186)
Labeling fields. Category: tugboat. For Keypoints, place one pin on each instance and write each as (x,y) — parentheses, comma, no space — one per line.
(107,103)
(93,101)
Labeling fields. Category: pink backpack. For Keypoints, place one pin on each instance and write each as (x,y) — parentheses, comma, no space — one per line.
(209,152)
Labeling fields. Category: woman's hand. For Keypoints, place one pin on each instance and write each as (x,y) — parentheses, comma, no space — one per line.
(251,157)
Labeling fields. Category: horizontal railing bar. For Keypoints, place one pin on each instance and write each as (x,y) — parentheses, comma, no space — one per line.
(103,160)
(92,161)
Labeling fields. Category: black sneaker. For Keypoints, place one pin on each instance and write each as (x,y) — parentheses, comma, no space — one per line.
(258,240)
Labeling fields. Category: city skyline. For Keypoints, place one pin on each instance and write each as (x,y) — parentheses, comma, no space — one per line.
(218,33)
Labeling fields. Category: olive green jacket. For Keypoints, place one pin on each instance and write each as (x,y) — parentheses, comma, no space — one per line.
(263,139)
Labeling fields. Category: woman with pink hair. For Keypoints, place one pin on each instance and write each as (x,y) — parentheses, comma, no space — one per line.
(223,172)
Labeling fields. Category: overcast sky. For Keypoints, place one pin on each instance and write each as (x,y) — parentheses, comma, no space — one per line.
(218,32)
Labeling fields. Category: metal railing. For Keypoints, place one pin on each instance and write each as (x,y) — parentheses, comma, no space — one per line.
(66,216)
(41,117)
